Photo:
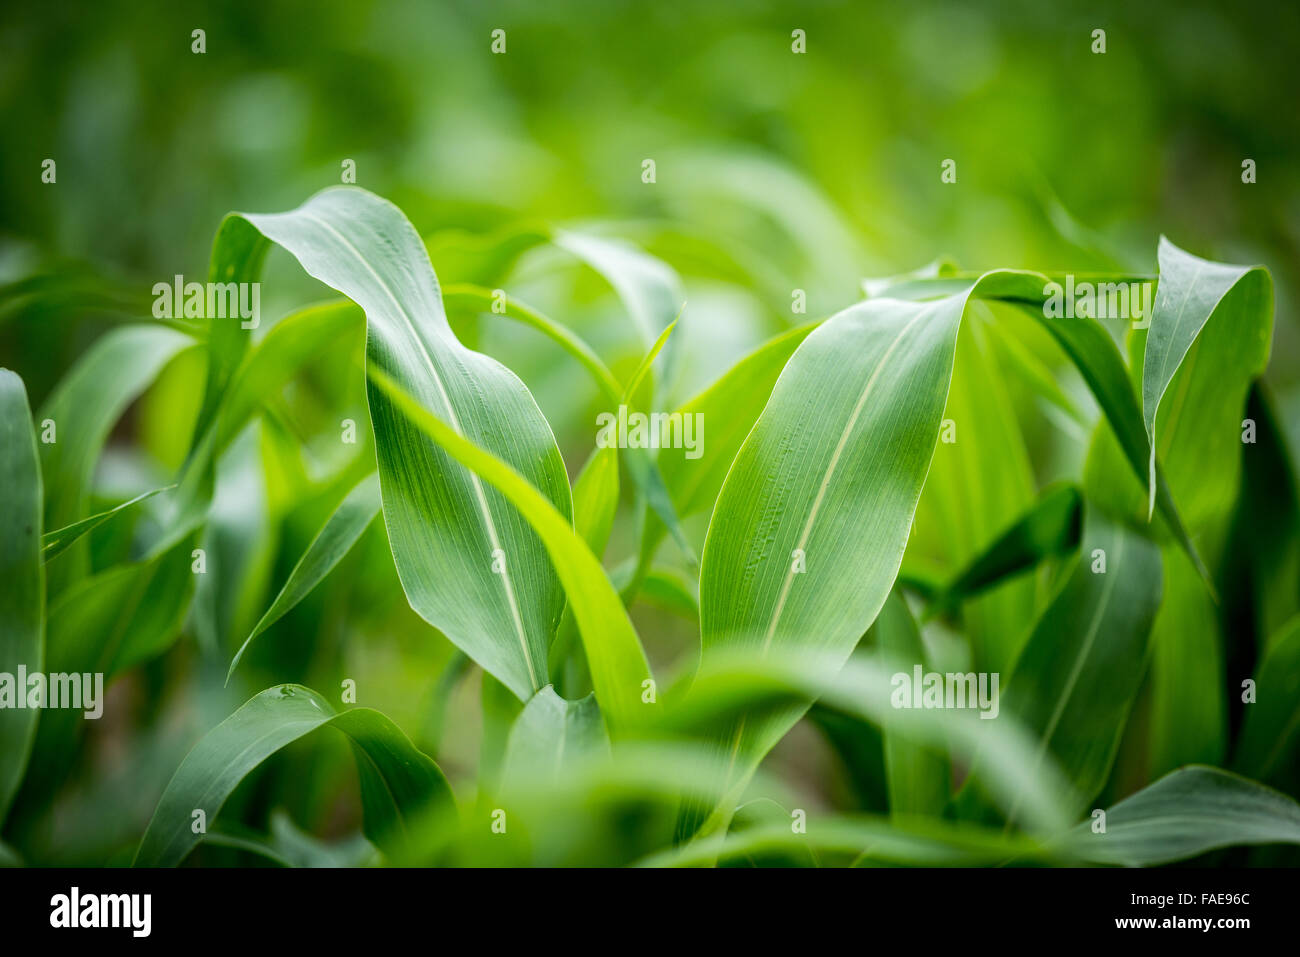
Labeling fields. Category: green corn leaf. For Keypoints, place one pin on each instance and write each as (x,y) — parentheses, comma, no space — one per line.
(106,623)
(478,299)
(83,409)
(650,290)
(1186,813)
(595,498)
(729,408)
(238,252)
(1050,527)
(335,539)
(671,589)
(1188,709)
(812,520)
(919,843)
(1262,557)
(917,776)
(550,734)
(980,481)
(1093,352)
(22,598)
(1269,747)
(288,347)
(741,681)
(1191,293)
(619,670)
(469,563)
(1082,666)
(397,781)
(55,542)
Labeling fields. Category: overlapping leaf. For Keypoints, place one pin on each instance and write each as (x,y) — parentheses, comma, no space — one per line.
(397,781)
(469,562)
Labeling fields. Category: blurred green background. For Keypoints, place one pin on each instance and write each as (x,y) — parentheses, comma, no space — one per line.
(827,163)
(774,172)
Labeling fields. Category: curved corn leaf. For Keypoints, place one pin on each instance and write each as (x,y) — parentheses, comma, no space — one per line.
(648,288)
(397,781)
(468,561)
(478,299)
(1186,813)
(335,539)
(1093,352)
(55,542)
(22,598)
(1193,291)
(619,670)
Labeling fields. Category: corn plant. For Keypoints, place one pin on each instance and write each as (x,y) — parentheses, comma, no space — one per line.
(846,525)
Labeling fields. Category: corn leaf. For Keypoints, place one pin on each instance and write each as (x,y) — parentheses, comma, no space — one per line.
(550,734)
(55,542)
(618,665)
(22,599)
(1191,293)
(1186,813)
(1050,527)
(1075,681)
(397,781)
(469,563)
(84,407)
(335,539)
(917,776)
(1269,747)
(812,520)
